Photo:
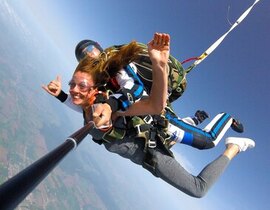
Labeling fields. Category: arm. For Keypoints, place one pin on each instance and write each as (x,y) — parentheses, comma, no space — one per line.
(130,89)
(54,88)
(158,49)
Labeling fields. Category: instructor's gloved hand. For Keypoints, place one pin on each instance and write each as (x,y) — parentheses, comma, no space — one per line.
(201,115)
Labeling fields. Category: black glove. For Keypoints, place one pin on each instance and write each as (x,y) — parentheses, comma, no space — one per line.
(200,116)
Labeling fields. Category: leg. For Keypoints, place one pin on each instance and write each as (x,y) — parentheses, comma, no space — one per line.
(173,173)
(196,137)
(219,126)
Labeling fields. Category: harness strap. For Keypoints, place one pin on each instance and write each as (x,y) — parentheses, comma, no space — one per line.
(152,142)
(118,131)
(149,163)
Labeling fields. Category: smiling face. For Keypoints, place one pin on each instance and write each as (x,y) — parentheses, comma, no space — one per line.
(81,88)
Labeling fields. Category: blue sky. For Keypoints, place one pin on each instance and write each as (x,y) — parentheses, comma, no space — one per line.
(234,78)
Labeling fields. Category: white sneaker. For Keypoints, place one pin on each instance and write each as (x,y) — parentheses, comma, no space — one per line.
(242,143)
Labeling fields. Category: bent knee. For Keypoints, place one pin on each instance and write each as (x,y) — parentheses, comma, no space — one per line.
(199,194)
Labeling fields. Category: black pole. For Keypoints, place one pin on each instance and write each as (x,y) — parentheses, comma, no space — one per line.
(14,190)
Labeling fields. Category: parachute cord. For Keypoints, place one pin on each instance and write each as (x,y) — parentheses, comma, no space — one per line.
(190,59)
(195,58)
(218,42)
(228,11)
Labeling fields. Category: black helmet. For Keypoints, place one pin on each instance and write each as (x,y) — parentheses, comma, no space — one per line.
(82,45)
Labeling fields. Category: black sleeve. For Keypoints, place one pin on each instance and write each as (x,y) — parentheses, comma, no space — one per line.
(62,96)
(114,104)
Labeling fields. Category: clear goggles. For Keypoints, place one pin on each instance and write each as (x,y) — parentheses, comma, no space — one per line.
(83,85)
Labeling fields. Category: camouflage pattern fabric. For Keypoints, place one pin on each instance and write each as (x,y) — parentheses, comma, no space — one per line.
(176,73)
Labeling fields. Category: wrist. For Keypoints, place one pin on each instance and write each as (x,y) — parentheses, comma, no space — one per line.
(108,107)
(62,96)
(113,103)
(159,64)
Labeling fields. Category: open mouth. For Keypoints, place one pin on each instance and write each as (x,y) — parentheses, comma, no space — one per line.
(76,97)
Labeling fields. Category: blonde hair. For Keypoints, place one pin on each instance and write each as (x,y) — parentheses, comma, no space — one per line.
(109,63)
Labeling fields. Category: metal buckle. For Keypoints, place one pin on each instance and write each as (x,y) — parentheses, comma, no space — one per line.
(148,119)
(152,144)
(138,129)
(139,132)
(152,141)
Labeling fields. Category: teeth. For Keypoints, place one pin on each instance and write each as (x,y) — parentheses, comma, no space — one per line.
(76,96)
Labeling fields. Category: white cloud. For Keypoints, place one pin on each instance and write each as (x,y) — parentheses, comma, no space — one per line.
(9,14)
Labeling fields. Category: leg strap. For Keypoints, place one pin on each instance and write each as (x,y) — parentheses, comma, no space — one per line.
(149,163)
